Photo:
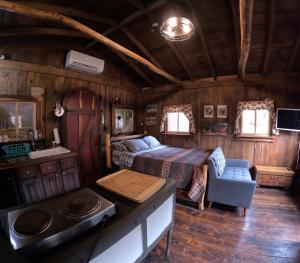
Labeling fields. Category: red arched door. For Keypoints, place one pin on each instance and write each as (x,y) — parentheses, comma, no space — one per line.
(81,131)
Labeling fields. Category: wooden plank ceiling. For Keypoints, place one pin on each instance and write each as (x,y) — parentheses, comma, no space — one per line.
(214,49)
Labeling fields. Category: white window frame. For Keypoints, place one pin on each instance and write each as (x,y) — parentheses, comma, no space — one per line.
(255,134)
(177,132)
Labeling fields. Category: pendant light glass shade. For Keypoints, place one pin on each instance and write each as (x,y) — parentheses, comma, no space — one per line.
(177,28)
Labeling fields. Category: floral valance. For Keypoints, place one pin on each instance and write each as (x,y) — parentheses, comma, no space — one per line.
(185,108)
(255,105)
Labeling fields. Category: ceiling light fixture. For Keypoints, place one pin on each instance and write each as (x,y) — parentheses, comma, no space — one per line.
(177,27)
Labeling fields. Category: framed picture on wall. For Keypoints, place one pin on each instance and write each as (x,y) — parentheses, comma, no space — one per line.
(123,119)
(208,111)
(151,108)
(222,111)
(150,121)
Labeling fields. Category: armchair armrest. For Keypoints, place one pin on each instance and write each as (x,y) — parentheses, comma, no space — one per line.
(231,192)
(237,163)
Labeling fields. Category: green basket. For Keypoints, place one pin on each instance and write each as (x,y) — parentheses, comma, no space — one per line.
(16,149)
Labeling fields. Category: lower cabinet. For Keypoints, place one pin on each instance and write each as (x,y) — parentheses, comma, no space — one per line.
(44,180)
(70,179)
(32,189)
(52,184)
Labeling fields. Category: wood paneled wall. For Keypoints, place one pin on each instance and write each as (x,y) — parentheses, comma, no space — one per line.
(229,90)
(17,77)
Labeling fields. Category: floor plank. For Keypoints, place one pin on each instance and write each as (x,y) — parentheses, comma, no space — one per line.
(269,233)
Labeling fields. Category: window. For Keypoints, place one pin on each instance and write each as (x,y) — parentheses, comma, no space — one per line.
(255,123)
(177,122)
(17,118)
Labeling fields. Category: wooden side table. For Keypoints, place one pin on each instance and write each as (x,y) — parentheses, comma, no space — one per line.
(274,176)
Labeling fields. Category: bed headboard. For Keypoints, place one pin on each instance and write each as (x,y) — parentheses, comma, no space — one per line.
(109,139)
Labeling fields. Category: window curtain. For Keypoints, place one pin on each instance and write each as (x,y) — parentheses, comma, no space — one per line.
(255,105)
(185,108)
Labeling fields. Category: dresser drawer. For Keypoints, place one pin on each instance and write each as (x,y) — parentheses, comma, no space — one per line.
(68,163)
(27,172)
(47,168)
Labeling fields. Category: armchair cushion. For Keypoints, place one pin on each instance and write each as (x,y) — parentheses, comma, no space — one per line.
(237,174)
(219,161)
(237,163)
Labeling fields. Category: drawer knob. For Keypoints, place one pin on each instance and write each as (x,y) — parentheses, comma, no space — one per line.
(56,175)
(27,172)
(64,172)
(49,167)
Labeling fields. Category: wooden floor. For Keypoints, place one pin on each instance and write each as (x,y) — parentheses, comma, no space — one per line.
(269,233)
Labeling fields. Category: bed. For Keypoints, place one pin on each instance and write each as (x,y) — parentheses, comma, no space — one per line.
(187,165)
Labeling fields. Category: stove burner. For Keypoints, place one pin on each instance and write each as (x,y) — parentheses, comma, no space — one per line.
(32,222)
(79,205)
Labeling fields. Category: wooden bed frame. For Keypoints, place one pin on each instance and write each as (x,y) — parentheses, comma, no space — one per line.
(109,140)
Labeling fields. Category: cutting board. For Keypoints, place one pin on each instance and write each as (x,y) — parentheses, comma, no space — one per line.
(133,185)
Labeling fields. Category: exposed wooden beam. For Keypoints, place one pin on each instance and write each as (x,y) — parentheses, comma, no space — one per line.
(31,12)
(199,32)
(32,31)
(272,11)
(235,15)
(294,52)
(135,68)
(130,18)
(246,10)
(135,3)
(68,11)
(141,46)
(175,50)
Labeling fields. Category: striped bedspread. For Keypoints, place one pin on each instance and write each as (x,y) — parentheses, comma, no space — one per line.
(182,164)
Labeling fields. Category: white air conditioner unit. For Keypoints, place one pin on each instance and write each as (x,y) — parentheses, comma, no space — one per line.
(83,62)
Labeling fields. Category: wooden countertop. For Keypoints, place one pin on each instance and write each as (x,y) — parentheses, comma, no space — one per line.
(13,163)
(129,215)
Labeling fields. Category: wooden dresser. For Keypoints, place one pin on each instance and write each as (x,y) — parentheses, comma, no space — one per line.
(274,176)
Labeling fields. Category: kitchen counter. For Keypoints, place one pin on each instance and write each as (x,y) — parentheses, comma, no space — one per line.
(117,237)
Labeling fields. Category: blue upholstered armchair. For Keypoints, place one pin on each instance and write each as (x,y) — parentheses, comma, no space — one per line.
(229,181)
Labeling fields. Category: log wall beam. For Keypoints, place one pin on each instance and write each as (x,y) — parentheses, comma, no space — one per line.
(271,23)
(246,10)
(27,11)
(68,11)
(199,32)
(131,18)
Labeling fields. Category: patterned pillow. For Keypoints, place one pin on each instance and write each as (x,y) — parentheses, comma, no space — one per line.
(219,159)
(151,141)
(136,145)
(119,146)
